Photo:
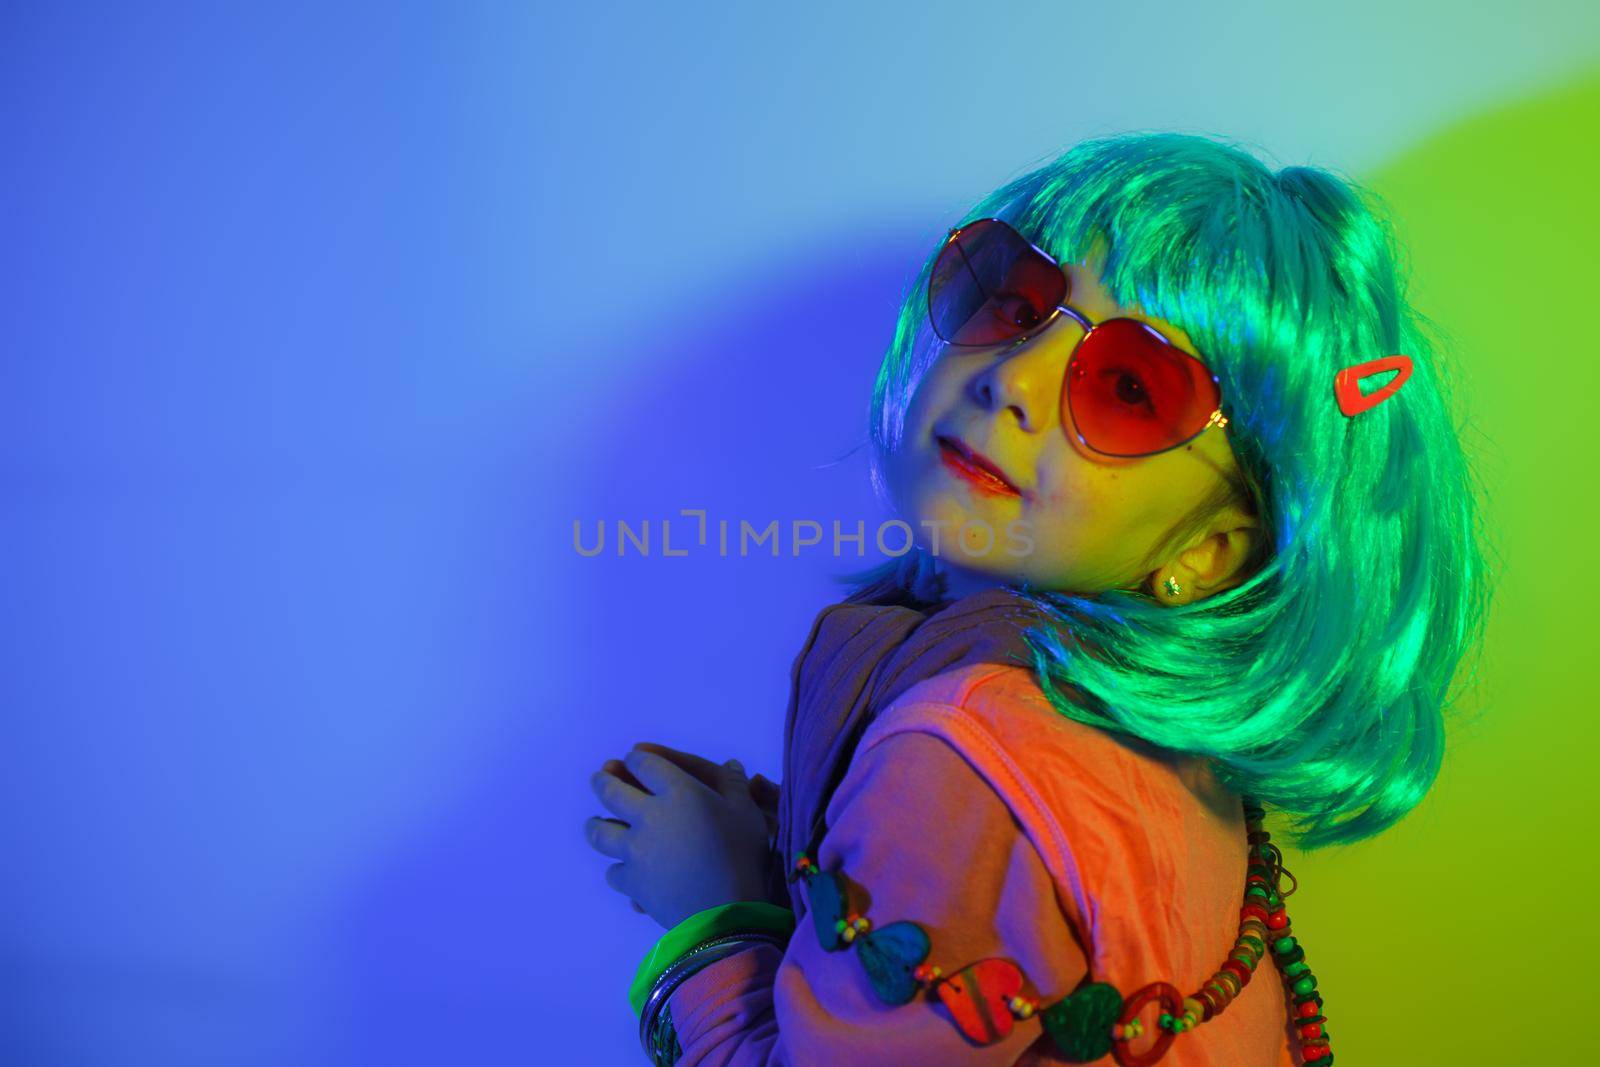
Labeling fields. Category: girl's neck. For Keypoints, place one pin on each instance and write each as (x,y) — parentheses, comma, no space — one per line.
(959,582)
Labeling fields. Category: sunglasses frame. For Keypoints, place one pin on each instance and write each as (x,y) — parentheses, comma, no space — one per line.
(1216,418)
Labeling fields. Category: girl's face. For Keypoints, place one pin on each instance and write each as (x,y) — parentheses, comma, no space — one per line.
(1070,520)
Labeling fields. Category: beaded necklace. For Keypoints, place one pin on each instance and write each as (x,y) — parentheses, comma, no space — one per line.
(1094,1019)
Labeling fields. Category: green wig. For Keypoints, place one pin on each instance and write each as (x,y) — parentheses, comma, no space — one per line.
(1319,685)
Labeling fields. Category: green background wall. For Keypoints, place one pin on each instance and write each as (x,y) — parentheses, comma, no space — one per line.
(1463,935)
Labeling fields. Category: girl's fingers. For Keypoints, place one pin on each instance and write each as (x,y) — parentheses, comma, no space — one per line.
(764,790)
(620,769)
(709,774)
(619,797)
(658,773)
(607,836)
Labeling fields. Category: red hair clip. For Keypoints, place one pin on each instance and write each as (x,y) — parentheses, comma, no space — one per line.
(1348,393)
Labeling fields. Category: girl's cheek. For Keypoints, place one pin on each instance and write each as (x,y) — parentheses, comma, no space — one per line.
(924,400)
(1060,517)
(1055,494)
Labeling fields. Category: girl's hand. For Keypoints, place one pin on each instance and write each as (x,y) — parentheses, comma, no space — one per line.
(686,844)
(763,790)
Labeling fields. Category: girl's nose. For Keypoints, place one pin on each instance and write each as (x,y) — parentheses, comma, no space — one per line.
(1026,378)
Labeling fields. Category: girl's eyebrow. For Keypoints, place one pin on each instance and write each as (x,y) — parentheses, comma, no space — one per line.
(1176,337)
(1168,330)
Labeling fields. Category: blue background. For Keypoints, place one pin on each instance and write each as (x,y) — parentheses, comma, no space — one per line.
(322,326)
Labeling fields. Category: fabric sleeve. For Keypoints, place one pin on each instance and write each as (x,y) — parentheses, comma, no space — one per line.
(918,835)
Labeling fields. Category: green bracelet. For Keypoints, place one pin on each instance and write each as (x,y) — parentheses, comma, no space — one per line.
(740,916)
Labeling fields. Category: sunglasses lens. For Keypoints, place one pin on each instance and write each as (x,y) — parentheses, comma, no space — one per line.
(990,286)
(1130,393)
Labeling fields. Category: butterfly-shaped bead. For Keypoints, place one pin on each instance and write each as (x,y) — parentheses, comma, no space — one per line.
(826,898)
(979,997)
(891,955)
(1080,1024)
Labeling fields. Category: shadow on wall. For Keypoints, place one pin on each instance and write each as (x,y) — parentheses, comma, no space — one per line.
(493,935)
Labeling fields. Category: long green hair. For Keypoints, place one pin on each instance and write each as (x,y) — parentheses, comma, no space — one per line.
(1319,685)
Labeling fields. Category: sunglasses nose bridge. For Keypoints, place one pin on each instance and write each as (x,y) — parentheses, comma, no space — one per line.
(1030,376)
(1066,327)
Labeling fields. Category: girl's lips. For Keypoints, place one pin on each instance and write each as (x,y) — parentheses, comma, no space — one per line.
(974,467)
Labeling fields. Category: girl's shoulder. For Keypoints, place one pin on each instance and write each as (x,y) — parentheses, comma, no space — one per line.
(1001,720)
(1105,812)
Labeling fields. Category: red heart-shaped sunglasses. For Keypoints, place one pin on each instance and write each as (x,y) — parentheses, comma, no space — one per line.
(1128,390)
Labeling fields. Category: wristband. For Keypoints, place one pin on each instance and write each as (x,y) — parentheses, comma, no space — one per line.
(754,917)
(657,1033)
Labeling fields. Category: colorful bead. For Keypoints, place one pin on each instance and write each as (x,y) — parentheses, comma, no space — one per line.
(1088,1023)
(1082,1024)
(1171,1004)
(1181,1024)
(1022,1007)
(977,996)
(851,925)
(889,955)
(826,896)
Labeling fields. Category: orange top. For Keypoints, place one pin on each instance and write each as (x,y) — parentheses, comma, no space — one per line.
(972,807)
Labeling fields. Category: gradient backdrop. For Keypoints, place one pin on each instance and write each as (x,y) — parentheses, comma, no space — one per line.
(323,324)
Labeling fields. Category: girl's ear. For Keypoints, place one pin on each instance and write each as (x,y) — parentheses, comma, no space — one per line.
(1222,559)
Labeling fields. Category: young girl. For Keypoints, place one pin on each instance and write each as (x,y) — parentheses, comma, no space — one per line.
(1194,537)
